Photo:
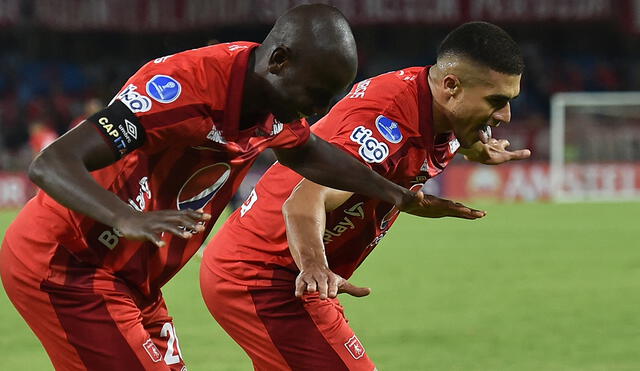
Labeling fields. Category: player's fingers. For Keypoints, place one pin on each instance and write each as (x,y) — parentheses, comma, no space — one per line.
(300,286)
(461,211)
(182,218)
(520,154)
(353,290)
(175,229)
(503,143)
(323,288)
(468,213)
(190,224)
(197,215)
(155,238)
(312,286)
(334,282)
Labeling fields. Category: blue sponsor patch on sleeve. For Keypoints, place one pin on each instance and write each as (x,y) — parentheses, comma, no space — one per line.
(389,129)
(163,88)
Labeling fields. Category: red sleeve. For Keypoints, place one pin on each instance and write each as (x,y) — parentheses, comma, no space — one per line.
(172,98)
(292,135)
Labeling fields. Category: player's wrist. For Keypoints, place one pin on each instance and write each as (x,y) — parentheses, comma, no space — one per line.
(312,263)
(124,217)
(406,198)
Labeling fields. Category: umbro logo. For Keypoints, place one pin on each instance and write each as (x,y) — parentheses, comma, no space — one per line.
(131,129)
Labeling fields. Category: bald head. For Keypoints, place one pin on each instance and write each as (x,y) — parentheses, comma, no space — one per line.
(306,61)
(316,31)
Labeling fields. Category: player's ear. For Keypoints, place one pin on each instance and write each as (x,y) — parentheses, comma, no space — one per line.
(451,85)
(279,58)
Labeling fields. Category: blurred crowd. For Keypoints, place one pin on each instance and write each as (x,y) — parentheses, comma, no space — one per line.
(51,81)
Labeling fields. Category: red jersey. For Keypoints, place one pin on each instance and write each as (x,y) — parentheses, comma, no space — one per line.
(386,122)
(193,156)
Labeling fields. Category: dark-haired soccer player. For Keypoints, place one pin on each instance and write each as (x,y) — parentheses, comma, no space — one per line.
(85,260)
(417,118)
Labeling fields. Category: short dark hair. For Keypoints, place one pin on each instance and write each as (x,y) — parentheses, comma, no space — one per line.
(486,44)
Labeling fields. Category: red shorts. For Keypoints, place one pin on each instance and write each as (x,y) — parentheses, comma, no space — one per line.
(281,332)
(83,327)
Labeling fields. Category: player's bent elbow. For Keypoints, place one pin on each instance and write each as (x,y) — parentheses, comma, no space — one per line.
(288,207)
(292,208)
(36,171)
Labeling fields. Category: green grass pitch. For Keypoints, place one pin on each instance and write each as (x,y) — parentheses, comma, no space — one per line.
(530,287)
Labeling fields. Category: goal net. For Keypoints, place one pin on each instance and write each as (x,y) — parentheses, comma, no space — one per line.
(595,146)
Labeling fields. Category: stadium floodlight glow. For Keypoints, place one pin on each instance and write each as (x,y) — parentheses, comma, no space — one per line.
(603,129)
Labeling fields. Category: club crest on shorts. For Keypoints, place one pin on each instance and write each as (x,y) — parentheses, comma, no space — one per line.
(389,129)
(152,350)
(163,88)
(202,186)
(354,347)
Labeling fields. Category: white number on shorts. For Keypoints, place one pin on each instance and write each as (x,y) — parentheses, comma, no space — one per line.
(170,358)
(248,204)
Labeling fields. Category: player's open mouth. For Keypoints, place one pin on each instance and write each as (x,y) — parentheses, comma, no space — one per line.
(484,133)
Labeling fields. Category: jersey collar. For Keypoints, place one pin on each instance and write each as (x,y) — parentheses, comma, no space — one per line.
(235,91)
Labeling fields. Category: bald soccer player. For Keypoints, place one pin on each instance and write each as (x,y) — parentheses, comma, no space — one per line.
(271,274)
(130,194)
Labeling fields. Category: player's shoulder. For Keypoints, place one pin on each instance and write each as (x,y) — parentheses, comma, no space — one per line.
(386,85)
(394,90)
(202,72)
(220,54)
(390,96)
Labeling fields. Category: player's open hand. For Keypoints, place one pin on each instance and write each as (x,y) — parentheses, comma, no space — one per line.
(494,152)
(150,225)
(326,283)
(429,206)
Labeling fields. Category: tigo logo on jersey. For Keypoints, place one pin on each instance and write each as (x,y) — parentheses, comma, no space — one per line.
(389,129)
(164,89)
(135,101)
(197,191)
(371,150)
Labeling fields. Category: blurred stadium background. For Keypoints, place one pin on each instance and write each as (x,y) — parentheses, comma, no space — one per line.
(534,286)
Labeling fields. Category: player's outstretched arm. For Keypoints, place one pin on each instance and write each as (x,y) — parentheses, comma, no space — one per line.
(62,171)
(494,152)
(321,162)
(305,217)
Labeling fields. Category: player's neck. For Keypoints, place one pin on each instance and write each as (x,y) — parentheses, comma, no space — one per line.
(254,106)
